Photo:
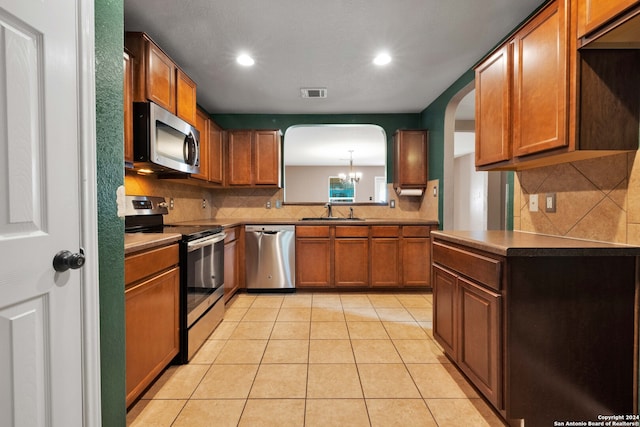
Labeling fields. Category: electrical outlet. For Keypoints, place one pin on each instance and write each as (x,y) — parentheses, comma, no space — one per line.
(392,203)
(533,203)
(171,204)
(550,202)
(268,204)
(204,203)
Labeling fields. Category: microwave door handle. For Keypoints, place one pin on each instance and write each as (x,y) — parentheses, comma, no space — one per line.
(190,149)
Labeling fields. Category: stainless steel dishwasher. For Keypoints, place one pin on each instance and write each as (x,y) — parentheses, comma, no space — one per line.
(270,257)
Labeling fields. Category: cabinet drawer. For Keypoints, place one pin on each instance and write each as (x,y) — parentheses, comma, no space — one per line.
(313,231)
(385,231)
(416,231)
(145,264)
(482,269)
(352,231)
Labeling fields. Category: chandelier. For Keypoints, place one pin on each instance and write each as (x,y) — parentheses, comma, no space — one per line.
(353,177)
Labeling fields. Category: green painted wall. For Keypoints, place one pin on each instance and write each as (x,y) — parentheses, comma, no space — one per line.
(389,122)
(109,36)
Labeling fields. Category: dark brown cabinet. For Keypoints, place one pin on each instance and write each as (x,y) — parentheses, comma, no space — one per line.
(216,154)
(152,284)
(410,161)
(524,318)
(416,256)
(253,158)
(385,256)
(158,79)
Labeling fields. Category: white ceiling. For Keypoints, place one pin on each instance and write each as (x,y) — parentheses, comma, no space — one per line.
(325,43)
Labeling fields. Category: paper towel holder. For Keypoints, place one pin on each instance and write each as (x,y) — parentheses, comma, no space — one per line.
(412,192)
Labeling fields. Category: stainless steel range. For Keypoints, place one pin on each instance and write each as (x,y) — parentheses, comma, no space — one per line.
(201,269)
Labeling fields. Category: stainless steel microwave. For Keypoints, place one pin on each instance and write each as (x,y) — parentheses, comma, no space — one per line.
(162,142)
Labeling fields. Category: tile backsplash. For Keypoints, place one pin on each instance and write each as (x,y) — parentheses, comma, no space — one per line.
(252,202)
(596,199)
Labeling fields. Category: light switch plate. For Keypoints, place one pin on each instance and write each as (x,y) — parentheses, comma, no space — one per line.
(550,202)
(533,203)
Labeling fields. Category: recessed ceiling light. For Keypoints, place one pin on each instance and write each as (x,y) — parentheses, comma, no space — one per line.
(382,59)
(245,60)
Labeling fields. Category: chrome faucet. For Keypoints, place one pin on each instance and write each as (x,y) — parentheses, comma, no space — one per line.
(329,210)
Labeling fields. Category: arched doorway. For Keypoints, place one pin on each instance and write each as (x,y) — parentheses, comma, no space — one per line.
(471,200)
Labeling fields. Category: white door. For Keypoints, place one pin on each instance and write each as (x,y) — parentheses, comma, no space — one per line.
(46,377)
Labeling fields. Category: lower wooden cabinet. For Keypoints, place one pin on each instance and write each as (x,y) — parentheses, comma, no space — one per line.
(363,256)
(232,264)
(467,321)
(152,294)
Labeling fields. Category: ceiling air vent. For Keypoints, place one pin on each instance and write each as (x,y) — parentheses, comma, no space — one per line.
(314,92)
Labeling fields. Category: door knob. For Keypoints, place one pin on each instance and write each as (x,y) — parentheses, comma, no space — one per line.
(65,260)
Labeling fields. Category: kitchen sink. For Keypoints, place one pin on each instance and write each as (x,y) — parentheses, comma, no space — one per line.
(333,218)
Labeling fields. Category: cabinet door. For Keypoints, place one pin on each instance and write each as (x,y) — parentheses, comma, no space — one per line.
(128,110)
(385,262)
(313,263)
(185,98)
(239,158)
(216,153)
(416,262)
(351,262)
(410,161)
(266,157)
(445,310)
(202,124)
(540,103)
(151,311)
(493,120)
(479,354)
(593,13)
(160,78)
(230,269)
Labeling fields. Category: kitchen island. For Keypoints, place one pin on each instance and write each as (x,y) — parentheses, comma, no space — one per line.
(545,327)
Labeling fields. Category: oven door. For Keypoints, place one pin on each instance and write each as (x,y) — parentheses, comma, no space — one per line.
(204,278)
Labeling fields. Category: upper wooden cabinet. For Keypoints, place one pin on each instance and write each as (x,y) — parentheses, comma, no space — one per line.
(202,124)
(216,153)
(541,83)
(253,158)
(594,13)
(128,111)
(410,159)
(541,101)
(157,78)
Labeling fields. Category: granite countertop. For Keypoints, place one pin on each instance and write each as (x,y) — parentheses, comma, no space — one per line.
(134,242)
(518,243)
(231,222)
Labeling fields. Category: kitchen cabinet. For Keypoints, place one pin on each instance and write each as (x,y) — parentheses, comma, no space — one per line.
(363,256)
(385,256)
(410,159)
(202,124)
(152,289)
(510,308)
(593,13)
(216,153)
(232,262)
(314,256)
(253,158)
(576,104)
(158,79)
(127,94)
(416,256)
(351,256)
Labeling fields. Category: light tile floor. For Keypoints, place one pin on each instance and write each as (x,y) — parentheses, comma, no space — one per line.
(317,359)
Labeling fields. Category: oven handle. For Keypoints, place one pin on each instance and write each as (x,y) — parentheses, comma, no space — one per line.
(205,241)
